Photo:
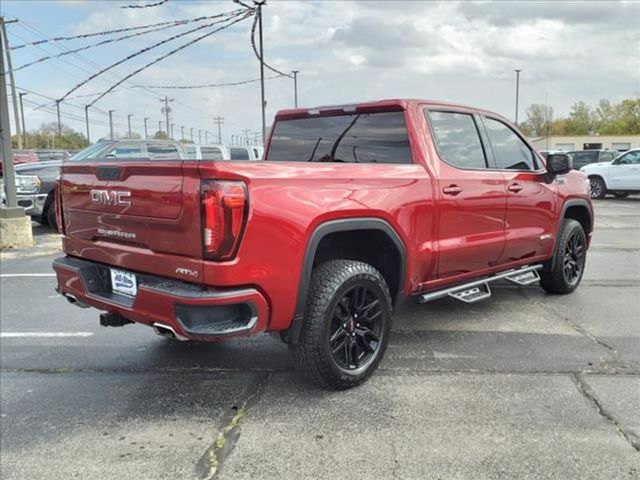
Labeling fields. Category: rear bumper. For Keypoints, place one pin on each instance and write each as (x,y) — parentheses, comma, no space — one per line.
(191,311)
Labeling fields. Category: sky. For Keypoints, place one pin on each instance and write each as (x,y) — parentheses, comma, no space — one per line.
(346,52)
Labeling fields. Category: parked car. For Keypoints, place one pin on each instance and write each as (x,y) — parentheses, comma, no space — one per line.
(245,153)
(619,177)
(207,152)
(581,158)
(354,210)
(546,153)
(46,155)
(35,192)
(19,157)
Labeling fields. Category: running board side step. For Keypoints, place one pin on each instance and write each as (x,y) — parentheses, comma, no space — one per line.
(479,289)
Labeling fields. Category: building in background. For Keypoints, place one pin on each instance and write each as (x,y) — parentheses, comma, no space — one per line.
(621,143)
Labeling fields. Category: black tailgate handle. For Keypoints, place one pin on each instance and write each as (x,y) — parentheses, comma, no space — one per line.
(108,173)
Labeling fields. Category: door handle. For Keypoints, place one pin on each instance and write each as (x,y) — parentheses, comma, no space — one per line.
(452,190)
(514,187)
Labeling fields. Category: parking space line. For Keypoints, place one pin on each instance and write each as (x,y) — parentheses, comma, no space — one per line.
(44,334)
(14,275)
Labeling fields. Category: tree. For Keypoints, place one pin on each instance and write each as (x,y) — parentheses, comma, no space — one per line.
(46,136)
(160,135)
(539,119)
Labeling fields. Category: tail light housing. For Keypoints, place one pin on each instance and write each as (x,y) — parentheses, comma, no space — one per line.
(225,206)
(57,204)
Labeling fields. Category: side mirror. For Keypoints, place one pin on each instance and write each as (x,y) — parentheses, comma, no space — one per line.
(559,164)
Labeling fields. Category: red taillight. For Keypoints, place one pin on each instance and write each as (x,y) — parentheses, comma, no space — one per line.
(224,211)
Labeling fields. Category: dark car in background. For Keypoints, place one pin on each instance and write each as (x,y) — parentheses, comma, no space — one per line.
(585,157)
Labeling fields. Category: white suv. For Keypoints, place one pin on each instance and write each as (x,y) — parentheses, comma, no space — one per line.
(619,177)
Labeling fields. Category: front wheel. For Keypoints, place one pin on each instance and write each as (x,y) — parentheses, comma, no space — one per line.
(598,188)
(346,324)
(568,261)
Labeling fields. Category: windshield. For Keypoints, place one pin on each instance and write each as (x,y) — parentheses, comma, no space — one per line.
(355,138)
(91,151)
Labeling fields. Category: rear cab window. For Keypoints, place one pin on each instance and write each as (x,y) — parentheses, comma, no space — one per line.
(379,137)
(239,154)
(160,151)
(211,153)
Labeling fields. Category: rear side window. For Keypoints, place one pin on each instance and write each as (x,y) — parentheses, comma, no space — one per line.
(190,150)
(607,156)
(211,153)
(354,138)
(580,159)
(457,139)
(159,151)
(510,151)
(239,154)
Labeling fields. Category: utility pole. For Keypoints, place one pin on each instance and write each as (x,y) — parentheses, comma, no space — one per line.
(24,130)
(59,122)
(5,137)
(262,100)
(14,96)
(219,121)
(295,87)
(206,138)
(191,129)
(160,126)
(166,109)
(199,136)
(172,131)
(129,124)
(111,124)
(86,120)
(255,138)
(517,70)
(146,134)
(182,132)
(233,139)
(246,135)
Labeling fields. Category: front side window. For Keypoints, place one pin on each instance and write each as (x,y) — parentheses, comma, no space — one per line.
(124,151)
(510,151)
(211,153)
(239,154)
(351,138)
(631,158)
(158,151)
(457,139)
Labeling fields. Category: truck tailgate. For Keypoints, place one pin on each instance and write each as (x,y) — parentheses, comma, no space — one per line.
(134,206)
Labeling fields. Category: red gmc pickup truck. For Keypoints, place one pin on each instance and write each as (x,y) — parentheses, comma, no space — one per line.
(353,210)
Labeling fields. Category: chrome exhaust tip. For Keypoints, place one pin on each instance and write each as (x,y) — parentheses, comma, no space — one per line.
(167,331)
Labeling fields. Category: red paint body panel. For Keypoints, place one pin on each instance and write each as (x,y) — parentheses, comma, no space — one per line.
(447,238)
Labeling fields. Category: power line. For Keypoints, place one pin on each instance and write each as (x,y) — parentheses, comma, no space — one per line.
(147,5)
(104,42)
(227,16)
(208,85)
(175,50)
(255,50)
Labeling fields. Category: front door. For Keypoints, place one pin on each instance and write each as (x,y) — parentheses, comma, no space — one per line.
(532,208)
(472,197)
(625,172)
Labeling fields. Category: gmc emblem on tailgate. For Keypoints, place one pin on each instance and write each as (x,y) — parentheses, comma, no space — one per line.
(114,197)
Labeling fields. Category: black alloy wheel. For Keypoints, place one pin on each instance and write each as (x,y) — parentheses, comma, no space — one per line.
(356,328)
(574,257)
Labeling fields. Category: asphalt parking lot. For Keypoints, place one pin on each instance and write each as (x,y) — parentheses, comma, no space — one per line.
(523,385)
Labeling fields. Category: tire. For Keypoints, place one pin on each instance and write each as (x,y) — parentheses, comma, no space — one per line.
(346,326)
(51,216)
(569,260)
(620,195)
(598,188)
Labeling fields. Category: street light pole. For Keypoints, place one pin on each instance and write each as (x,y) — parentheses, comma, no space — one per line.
(262,99)
(14,97)
(146,135)
(182,132)
(24,130)
(295,87)
(111,124)
(160,127)
(86,121)
(129,123)
(59,122)
(191,133)
(172,125)
(199,136)
(517,70)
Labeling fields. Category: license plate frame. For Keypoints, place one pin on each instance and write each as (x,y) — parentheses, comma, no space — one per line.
(123,282)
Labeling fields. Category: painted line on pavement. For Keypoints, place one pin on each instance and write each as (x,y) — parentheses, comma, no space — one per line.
(44,334)
(16,275)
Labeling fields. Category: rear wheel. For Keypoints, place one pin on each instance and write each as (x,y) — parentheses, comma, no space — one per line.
(346,324)
(569,260)
(51,216)
(598,188)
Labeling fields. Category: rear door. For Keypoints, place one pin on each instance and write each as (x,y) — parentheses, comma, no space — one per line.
(532,207)
(134,202)
(472,197)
